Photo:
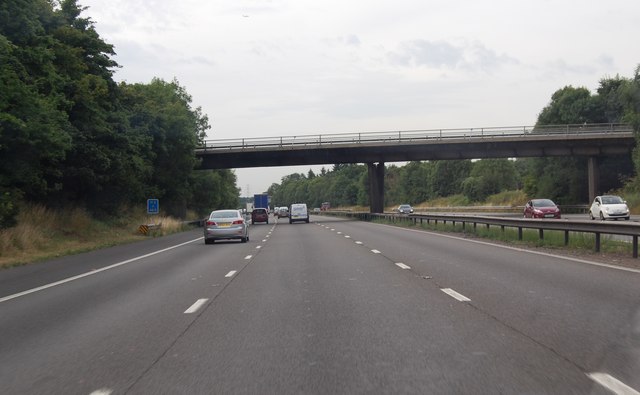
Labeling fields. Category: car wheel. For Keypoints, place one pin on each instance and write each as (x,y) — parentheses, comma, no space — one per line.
(601,216)
(243,240)
(591,215)
(626,218)
(208,241)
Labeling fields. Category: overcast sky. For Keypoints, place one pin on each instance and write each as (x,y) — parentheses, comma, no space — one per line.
(296,67)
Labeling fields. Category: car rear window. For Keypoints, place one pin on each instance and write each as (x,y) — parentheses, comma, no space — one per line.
(224,214)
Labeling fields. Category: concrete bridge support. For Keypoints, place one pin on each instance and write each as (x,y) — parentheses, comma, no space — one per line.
(593,177)
(376,187)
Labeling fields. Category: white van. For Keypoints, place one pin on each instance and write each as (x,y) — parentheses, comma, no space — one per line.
(298,212)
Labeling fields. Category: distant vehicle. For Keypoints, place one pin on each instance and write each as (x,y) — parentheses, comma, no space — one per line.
(225,225)
(541,208)
(298,212)
(282,212)
(325,206)
(259,215)
(404,209)
(316,209)
(261,200)
(609,207)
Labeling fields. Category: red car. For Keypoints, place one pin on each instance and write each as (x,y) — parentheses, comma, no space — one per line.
(541,208)
(259,215)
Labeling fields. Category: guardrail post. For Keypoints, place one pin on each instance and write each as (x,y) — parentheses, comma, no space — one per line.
(519,232)
(635,246)
(541,234)
(597,241)
(566,237)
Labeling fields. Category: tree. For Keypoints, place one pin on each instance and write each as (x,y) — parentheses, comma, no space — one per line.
(164,111)
(488,177)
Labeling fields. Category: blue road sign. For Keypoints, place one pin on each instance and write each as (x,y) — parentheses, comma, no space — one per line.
(153,206)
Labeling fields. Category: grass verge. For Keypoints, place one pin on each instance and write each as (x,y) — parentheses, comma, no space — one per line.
(43,233)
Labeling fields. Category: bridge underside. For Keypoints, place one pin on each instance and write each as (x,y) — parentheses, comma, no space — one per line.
(376,154)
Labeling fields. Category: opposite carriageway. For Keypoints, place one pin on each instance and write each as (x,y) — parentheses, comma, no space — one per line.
(376,148)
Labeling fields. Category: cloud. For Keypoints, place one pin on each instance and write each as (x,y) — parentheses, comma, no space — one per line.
(444,55)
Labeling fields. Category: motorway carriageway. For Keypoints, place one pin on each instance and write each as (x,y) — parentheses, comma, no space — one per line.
(334,306)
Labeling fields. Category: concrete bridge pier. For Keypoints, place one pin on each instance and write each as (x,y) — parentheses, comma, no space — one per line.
(376,187)
(593,177)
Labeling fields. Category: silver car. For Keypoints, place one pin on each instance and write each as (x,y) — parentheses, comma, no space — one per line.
(225,225)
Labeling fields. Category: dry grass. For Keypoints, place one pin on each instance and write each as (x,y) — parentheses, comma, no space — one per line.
(43,233)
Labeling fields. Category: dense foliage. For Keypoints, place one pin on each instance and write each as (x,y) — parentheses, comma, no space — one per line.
(617,100)
(71,135)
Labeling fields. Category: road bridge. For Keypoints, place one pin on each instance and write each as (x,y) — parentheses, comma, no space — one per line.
(377,148)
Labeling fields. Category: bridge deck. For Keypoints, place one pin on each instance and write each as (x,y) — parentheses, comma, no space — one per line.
(504,142)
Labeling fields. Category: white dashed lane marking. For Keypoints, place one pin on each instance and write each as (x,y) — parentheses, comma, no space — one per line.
(231,273)
(196,306)
(402,266)
(612,384)
(455,295)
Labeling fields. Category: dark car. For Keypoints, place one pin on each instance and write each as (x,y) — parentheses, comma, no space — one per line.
(259,215)
(541,208)
(404,209)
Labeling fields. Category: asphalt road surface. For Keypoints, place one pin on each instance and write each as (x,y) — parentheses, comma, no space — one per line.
(330,307)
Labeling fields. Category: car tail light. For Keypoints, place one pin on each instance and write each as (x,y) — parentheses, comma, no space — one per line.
(238,222)
(211,223)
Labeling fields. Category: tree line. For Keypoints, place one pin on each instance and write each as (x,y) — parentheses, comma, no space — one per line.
(71,136)
(564,179)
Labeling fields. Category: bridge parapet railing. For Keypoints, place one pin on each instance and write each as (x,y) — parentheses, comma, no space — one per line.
(408,136)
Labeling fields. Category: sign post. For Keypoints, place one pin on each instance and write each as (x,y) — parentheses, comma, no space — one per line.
(153,206)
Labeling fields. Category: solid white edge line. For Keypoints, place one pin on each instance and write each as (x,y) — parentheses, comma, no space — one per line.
(196,306)
(231,273)
(455,295)
(69,279)
(612,384)
(626,269)
(402,266)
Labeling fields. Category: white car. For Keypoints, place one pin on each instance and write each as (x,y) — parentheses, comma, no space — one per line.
(608,207)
